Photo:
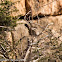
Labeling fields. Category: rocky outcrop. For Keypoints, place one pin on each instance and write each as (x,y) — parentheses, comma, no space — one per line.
(37,7)
(20,6)
(53,23)
(45,7)
(20,31)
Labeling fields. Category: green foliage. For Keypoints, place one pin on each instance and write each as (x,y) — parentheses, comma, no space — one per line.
(7,22)
(5,18)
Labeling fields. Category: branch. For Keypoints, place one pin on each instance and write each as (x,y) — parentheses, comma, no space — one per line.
(27,54)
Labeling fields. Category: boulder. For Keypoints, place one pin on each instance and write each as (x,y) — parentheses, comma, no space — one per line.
(20,31)
(44,7)
(52,22)
(48,26)
(20,6)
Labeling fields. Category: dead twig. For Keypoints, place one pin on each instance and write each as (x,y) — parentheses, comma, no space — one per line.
(27,54)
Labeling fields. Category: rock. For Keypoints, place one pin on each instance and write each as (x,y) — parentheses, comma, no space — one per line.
(20,31)
(53,23)
(48,26)
(38,7)
(20,6)
(44,7)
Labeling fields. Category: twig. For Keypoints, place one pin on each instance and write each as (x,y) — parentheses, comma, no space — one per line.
(3,27)
(48,25)
(27,54)
(39,40)
(38,59)
(26,15)
(4,52)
